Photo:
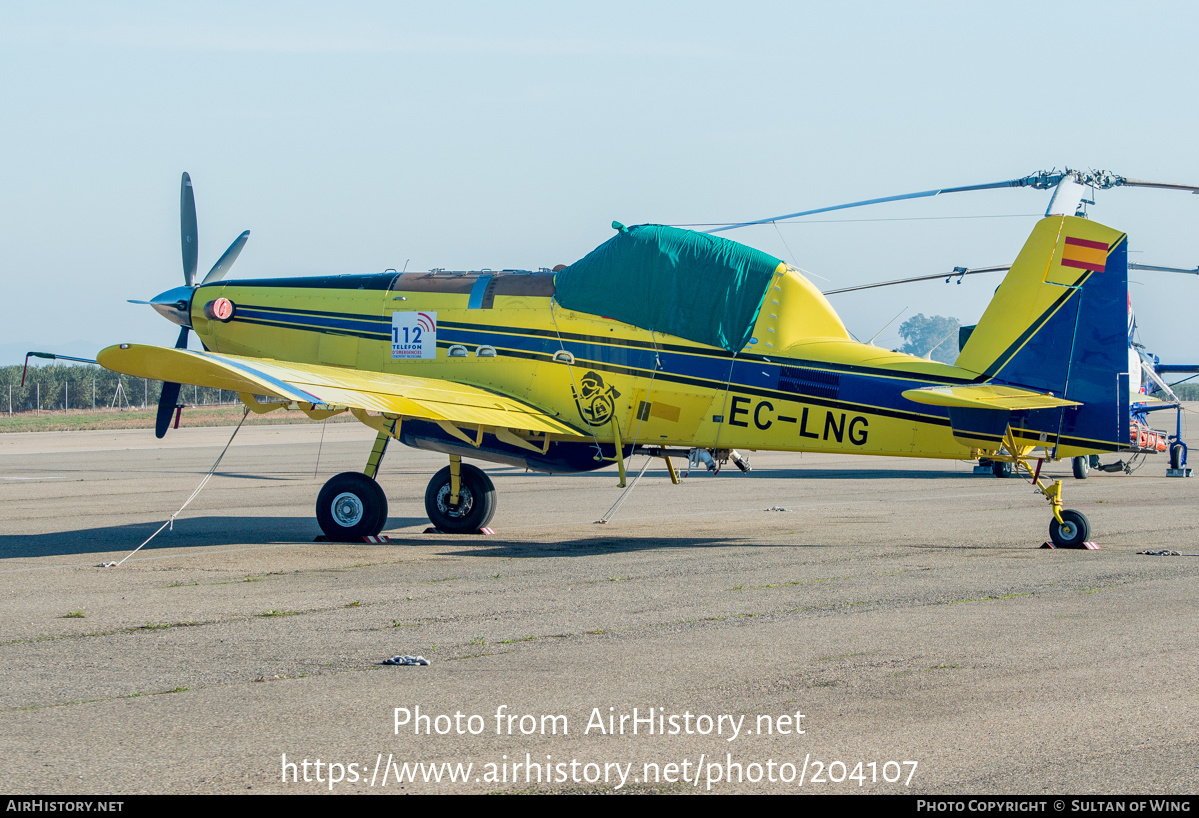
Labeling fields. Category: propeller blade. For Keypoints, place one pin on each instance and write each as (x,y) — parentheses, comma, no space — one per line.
(226,261)
(169,399)
(166,408)
(187,231)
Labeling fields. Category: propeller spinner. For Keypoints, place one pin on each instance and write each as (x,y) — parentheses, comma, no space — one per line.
(175,303)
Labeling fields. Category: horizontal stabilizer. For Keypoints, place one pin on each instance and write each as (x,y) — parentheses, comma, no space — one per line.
(987,396)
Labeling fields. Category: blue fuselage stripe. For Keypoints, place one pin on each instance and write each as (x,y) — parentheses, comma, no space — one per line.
(754,374)
(849,387)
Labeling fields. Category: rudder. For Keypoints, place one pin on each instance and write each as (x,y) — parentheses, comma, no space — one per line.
(1057,324)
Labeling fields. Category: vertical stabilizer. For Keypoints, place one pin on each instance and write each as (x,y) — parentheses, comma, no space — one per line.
(1058,323)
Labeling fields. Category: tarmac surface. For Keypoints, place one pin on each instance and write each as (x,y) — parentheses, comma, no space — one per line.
(901,606)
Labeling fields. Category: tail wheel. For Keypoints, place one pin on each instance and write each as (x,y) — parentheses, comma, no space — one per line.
(1072,531)
(476,501)
(351,506)
(1082,467)
(1001,468)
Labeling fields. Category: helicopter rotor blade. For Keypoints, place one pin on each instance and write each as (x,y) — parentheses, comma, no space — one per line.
(1158,185)
(1156,269)
(960,272)
(226,260)
(187,230)
(957,272)
(1041,180)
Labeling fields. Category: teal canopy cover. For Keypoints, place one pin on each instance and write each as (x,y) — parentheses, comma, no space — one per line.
(677,282)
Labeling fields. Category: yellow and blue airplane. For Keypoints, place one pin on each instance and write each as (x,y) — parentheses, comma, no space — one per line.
(659,341)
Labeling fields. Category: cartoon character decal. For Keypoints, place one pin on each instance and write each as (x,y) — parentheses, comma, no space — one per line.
(595,399)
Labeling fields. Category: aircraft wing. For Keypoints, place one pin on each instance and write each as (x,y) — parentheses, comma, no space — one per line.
(331,386)
(986,396)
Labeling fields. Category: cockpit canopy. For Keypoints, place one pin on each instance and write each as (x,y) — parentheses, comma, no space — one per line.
(678,282)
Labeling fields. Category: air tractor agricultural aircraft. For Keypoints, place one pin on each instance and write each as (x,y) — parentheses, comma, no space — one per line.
(659,341)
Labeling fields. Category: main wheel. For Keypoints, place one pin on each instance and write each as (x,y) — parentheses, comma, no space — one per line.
(1176,450)
(476,501)
(1082,466)
(1001,468)
(351,506)
(1072,532)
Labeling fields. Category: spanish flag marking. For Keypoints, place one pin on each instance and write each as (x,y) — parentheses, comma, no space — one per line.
(1084,254)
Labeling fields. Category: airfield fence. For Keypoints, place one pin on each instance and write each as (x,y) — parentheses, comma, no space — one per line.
(84,388)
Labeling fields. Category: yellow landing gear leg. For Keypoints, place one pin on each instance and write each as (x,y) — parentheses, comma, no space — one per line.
(455,479)
(376,458)
(619,449)
(1053,494)
(460,498)
(674,475)
(1068,528)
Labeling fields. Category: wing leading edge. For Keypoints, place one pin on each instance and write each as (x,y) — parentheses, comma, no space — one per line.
(325,387)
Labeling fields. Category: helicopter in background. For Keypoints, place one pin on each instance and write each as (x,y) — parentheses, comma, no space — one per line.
(1148,391)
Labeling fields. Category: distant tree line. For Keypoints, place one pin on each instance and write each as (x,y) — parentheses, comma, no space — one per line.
(82,387)
(1187,391)
(936,334)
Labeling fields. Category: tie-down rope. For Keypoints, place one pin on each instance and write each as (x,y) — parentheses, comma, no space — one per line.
(171,521)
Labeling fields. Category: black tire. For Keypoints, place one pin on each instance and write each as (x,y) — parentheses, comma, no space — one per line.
(1176,450)
(476,501)
(381,512)
(351,506)
(1001,468)
(1074,533)
(1082,466)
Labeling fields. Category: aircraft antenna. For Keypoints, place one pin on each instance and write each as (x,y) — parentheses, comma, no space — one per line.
(889,323)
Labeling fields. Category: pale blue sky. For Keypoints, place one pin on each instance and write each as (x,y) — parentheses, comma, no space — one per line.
(470,135)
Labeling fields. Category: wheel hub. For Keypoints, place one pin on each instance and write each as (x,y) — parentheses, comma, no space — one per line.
(465,502)
(347,509)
